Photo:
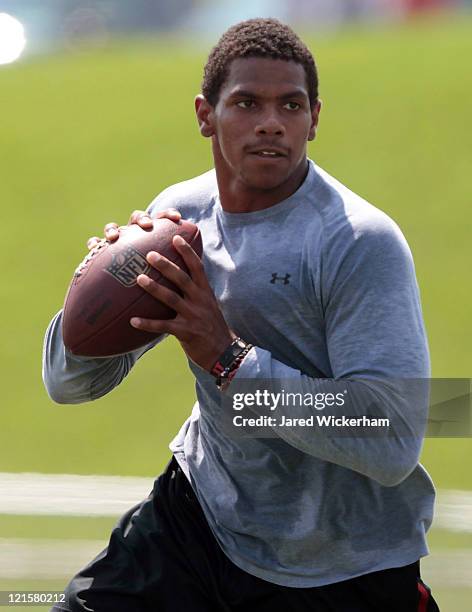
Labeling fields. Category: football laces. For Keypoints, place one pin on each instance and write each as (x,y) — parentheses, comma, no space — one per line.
(83,264)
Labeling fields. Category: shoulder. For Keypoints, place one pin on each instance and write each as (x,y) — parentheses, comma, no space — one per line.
(351,222)
(191,197)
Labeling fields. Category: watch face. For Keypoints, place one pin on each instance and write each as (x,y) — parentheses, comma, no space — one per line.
(236,349)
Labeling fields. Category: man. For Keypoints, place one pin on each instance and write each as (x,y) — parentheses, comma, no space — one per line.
(302,282)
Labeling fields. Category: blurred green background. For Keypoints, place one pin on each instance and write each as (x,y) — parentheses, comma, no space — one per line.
(88,136)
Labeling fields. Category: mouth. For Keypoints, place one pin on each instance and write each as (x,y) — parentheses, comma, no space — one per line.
(268,153)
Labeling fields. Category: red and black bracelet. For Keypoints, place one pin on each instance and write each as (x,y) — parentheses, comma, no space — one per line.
(229,361)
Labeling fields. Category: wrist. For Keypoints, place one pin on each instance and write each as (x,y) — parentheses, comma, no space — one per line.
(218,348)
(227,364)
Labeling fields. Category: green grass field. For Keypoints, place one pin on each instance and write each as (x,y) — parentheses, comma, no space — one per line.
(88,137)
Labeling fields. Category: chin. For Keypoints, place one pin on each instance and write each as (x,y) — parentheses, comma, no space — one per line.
(263,181)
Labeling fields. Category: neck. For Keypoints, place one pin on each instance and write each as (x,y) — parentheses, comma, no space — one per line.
(238,197)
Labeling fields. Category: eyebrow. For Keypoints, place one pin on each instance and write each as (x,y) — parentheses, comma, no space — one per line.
(246,93)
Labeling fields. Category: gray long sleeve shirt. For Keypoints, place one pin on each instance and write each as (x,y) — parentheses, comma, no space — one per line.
(323,284)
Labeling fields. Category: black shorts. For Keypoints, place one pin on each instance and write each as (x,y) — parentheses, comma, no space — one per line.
(162,557)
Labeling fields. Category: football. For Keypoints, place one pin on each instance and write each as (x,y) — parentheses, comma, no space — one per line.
(104,294)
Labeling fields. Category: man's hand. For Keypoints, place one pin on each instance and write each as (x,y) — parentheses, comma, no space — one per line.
(199,325)
(140,217)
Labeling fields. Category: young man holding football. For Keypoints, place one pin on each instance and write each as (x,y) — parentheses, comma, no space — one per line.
(303,280)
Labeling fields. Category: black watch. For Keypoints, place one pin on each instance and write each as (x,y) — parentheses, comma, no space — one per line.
(230,360)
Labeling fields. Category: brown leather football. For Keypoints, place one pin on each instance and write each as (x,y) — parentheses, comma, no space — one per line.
(104,294)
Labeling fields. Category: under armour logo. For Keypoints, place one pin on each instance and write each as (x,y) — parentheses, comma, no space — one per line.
(276,278)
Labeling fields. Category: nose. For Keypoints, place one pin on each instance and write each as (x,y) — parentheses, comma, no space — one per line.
(270,124)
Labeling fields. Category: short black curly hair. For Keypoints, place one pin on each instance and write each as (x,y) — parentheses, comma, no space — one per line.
(257,38)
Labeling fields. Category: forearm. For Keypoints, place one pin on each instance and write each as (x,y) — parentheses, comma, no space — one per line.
(70,379)
(387,454)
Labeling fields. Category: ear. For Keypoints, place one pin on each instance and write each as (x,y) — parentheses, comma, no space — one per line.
(204,111)
(315,116)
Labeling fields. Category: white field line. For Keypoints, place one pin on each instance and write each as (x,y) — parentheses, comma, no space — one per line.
(453,511)
(73,495)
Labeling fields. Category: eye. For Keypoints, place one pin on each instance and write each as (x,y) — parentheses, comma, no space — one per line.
(246,103)
(292,106)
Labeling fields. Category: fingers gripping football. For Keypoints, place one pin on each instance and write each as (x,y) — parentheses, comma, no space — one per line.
(199,325)
(111,230)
